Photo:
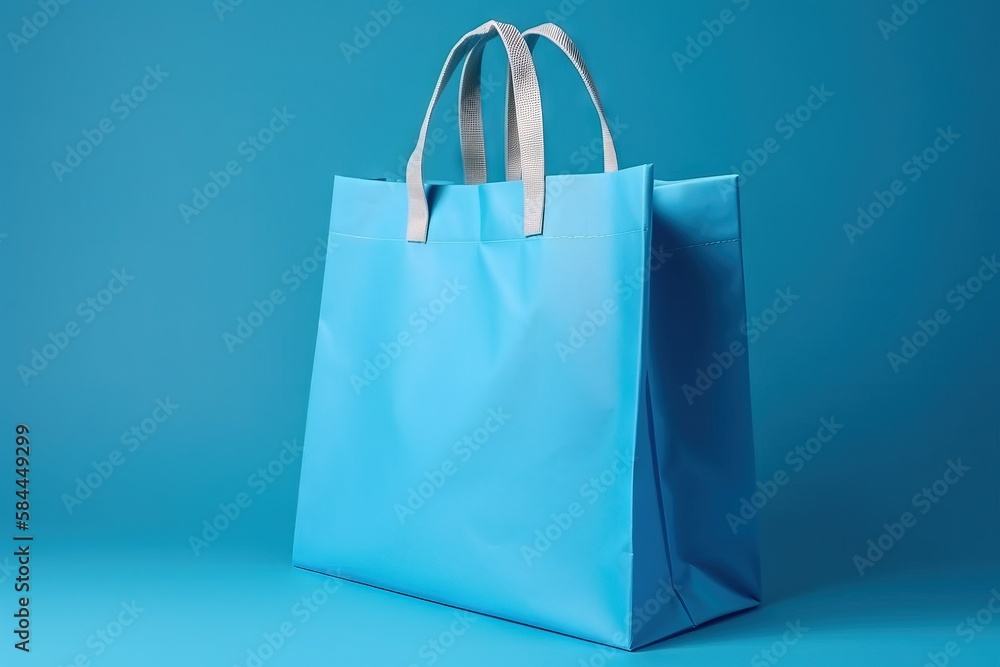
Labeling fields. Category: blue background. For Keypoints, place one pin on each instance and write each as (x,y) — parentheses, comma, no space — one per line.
(162,335)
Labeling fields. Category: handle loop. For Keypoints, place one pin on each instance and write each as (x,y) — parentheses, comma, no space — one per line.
(523,90)
(471,121)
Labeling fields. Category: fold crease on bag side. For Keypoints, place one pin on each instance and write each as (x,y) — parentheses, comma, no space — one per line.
(663,520)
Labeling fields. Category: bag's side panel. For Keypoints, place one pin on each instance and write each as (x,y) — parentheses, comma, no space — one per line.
(471,425)
(700,390)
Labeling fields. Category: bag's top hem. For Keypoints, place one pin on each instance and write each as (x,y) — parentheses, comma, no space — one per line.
(541,237)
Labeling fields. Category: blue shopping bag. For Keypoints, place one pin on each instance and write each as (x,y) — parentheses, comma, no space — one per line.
(497,419)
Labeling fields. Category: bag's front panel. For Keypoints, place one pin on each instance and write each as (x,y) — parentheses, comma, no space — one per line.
(471,426)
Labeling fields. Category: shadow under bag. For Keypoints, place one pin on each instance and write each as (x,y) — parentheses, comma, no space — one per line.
(530,404)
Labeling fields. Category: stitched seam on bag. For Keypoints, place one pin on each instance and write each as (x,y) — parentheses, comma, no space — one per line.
(701,245)
(551,238)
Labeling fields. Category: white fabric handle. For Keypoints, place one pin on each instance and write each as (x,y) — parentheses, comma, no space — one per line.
(471,121)
(527,106)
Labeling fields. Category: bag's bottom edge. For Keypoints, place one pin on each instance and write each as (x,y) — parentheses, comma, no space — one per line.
(750,605)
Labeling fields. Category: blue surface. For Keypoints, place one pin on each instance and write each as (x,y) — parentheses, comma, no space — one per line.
(218,118)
